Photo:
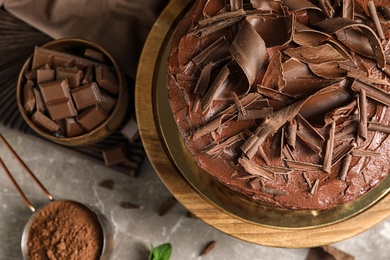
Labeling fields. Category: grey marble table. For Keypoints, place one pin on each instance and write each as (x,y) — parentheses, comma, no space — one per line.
(66,175)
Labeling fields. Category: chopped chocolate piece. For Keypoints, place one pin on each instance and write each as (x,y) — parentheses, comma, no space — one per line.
(73,128)
(91,117)
(55,91)
(115,155)
(31,75)
(209,246)
(44,122)
(130,130)
(107,80)
(89,75)
(309,134)
(73,75)
(41,58)
(375,19)
(108,103)
(107,184)
(95,55)
(45,75)
(212,54)
(28,96)
(86,95)
(166,206)
(345,167)
(61,109)
(129,205)
(39,102)
(255,183)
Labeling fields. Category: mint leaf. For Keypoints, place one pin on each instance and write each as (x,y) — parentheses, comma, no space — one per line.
(162,252)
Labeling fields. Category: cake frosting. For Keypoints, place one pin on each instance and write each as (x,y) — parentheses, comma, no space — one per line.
(285,101)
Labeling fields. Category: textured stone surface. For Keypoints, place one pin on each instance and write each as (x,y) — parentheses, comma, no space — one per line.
(69,176)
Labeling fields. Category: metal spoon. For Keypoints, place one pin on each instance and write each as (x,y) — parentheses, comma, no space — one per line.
(107,246)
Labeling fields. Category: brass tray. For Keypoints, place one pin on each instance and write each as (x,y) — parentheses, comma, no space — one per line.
(157,120)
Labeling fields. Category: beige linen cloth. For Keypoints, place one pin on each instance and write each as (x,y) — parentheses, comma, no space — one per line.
(119,26)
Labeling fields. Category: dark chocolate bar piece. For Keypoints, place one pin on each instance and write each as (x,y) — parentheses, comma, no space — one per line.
(55,91)
(115,155)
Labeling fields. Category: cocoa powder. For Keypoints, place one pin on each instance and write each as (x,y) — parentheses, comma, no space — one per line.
(65,230)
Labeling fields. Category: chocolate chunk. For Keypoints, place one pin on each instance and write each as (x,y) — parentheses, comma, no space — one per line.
(166,206)
(55,91)
(86,95)
(41,58)
(128,205)
(73,128)
(95,55)
(61,109)
(210,246)
(107,80)
(115,155)
(44,122)
(108,103)
(39,102)
(45,75)
(89,75)
(91,117)
(108,184)
(73,75)
(28,96)
(130,130)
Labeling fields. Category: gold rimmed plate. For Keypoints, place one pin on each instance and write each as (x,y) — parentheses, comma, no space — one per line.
(206,197)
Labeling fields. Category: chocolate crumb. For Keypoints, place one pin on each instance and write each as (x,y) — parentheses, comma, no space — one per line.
(166,206)
(128,205)
(210,246)
(191,215)
(328,253)
(107,184)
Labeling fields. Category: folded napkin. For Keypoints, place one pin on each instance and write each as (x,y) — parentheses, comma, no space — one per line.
(119,26)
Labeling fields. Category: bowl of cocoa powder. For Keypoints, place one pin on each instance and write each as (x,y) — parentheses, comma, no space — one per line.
(65,229)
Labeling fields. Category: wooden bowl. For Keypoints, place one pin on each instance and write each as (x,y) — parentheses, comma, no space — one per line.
(108,126)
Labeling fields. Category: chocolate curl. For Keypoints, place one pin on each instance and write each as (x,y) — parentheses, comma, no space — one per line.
(372,92)
(314,188)
(313,139)
(303,166)
(374,15)
(273,77)
(250,55)
(315,54)
(240,107)
(348,9)
(216,51)
(294,5)
(372,126)
(267,6)
(255,169)
(274,94)
(291,133)
(362,104)
(363,41)
(329,148)
(218,148)
(340,151)
(345,167)
(214,88)
(306,36)
(201,86)
(326,8)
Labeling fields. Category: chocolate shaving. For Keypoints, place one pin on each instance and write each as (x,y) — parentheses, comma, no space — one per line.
(128,205)
(236,13)
(348,9)
(307,179)
(340,151)
(329,148)
(255,183)
(228,142)
(328,70)
(364,153)
(307,133)
(166,206)
(314,188)
(214,88)
(315,54)
(345,167)
(273,94)
(372,126)
(291,133)
(255,169)
(210,246)
(304,166)
(240,107)
(273,77)
(286,151)
(275,192)
(374,16)
(255,114)
(362,105)
(372,92)
(294,5)
(107,184)
(250,55)
(202,31)
(216,51)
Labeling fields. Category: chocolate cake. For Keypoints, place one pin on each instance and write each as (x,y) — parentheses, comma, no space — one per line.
(285,101)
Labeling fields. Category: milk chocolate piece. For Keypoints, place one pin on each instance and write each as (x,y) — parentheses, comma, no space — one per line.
(130,130)
(73,128)
(45,75)
(108,103)
(73,75)
(41,58)
(28,96)
(39,102)
(115,155)
(91,117)
(31,75)
(107,80)
(86,95)
(44,122)
(95,55)
(61,109)
(89,75)
(55,91)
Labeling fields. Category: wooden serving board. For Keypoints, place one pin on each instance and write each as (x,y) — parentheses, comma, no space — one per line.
(196,203)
